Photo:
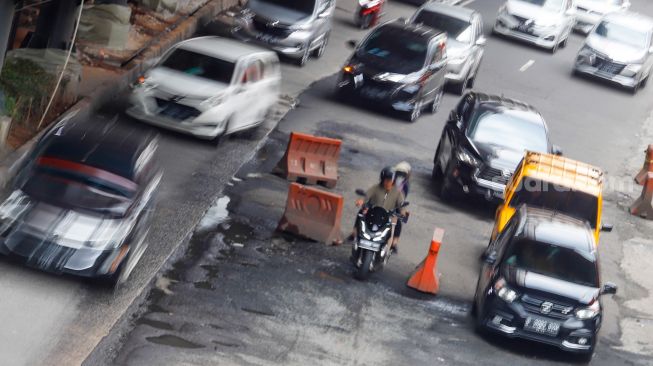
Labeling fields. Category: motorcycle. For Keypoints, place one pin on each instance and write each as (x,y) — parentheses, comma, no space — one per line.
(368,13)
(375,228)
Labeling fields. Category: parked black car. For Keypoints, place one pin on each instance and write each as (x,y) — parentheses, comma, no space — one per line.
(482,143)
(82,201)
(540,281)
(398,65)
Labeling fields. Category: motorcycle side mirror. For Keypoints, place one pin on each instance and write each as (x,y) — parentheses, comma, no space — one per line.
(361,192)
(609,288)
(607,228)
(351,43)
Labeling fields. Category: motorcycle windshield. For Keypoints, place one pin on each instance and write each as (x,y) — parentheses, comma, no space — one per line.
(377,217)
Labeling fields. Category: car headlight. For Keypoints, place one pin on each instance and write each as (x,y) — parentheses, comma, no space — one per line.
(631,70)
(504,292)
(411,89)
(586,55)
(466,157)
(391,77)
(589,312)
(213,101)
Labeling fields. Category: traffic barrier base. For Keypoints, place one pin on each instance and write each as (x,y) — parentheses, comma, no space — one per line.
(425,277)
(313,213)
(640,178)
(643,206)
(311,160)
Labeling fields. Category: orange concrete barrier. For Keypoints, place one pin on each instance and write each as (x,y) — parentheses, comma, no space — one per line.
(313,213)
(425,278)
(311,160)
(643,206)
(640,178)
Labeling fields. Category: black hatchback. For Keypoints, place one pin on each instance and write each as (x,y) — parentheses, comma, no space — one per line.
(540,281)
(398,66)
(482,143)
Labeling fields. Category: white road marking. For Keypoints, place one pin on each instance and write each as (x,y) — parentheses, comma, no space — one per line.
(527,65)
(465,3)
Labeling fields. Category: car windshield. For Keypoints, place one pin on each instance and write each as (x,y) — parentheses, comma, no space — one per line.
(200,65)
(610,2)
(537,193)
(622,34)
(301,6)
(555,5)
(458,29)
(553,261)
(76,186)
(517,130)
(400,53)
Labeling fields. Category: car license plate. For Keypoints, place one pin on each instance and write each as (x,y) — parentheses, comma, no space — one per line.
(524,28)
(373,93)
(542,326)
(266,38)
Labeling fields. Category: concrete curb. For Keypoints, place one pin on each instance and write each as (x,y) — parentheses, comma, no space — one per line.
(86,106)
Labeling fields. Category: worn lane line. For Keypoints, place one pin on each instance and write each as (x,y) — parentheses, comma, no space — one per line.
(527,65)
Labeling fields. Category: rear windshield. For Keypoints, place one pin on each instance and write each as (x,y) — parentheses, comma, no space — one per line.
(537,193)
(555,5)
(200,65)
(302,6)
(553,261)
(458,29)
(395,52)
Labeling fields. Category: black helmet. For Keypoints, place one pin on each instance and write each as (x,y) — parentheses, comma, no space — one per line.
(387,173)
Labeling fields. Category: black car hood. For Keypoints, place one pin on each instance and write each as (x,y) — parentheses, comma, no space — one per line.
(499,157)
(372,66)
(525,281)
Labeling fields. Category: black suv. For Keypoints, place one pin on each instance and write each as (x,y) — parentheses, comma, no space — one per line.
(482,143)
(398,65)
(540,281)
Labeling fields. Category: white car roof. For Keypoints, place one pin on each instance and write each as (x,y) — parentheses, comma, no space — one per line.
(453,11)
(222,48)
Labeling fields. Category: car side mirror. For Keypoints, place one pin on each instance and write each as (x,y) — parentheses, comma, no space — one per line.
(607,228)
(556,150)
(351,44)
(650,50)
(360,192)
(324,14)
(491,258)
(609,288)
(625,5)
(453,117)
(570,12)
(481,41)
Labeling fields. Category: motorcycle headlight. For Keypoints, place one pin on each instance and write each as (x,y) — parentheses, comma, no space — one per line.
(466,157)
(589,312)
(504,292)
(381,235)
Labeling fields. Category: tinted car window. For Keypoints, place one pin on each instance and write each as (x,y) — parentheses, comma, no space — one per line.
(622,34)
(553,261)
(200,65)
(518,130)
(536,193)
(458,29)
(392,51)
(302,6)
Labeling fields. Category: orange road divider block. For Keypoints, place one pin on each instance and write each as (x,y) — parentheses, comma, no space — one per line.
(640,178)
(311,160)
(313,213)
(643,206)
(425,277)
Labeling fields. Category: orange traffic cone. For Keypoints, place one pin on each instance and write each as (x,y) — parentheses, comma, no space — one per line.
(640,178)
(425,278)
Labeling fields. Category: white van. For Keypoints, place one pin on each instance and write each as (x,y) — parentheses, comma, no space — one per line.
(208,87)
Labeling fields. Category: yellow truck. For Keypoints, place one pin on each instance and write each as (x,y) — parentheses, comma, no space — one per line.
(555,183)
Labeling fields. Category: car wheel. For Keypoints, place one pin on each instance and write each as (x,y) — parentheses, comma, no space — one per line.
(414,115)
(305,56)
(587,357)
(564,43)
(635,88)
(644,82)
(554,49)
(320,51)
(435,105)
(479,320)
(462,86)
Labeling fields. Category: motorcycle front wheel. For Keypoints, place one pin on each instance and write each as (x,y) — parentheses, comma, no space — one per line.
(363,272)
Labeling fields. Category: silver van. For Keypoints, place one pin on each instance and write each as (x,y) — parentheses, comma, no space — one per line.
(296,29)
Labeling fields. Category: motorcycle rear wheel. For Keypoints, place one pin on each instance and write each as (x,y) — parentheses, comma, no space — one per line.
(363,272)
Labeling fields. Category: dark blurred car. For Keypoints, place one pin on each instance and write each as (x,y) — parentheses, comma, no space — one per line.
(465,43)
(82,201)
(540,281)
(399,66)
(483,142)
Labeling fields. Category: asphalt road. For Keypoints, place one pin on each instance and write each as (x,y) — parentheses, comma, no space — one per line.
(52,320)
(243,295)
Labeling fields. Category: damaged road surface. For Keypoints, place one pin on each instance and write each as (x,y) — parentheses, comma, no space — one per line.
(244,294)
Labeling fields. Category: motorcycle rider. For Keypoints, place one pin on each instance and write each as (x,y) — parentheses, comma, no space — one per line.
(402,177)
(385,194)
